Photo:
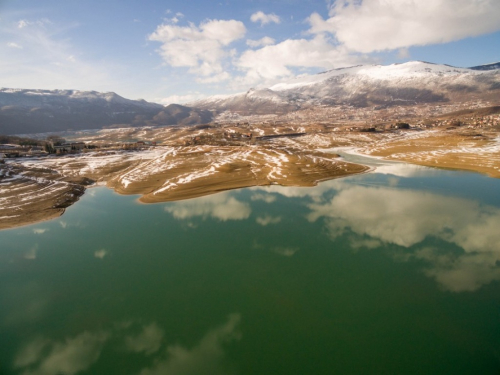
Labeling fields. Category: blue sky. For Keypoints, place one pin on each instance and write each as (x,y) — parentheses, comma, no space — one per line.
(177,51)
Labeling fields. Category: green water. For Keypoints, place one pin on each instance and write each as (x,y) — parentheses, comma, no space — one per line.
(395,272)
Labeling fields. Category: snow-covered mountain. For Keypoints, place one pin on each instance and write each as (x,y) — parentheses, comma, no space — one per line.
(25,111)
(365,85)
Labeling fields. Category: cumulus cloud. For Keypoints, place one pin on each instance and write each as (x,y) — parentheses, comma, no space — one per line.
(220,206)
(275,60)
(265,41)
(200,48)
(264,19)
(375,25)
(406,218)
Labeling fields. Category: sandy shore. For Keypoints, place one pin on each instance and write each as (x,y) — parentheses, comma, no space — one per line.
(40,189)
(33,190)
(29,196)
(470,152)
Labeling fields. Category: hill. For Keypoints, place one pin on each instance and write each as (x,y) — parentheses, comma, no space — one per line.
(24,111)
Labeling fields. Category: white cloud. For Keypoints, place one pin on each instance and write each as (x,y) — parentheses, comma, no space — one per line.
(180,99)
(224,76)
(22,23)
(14,45)
(202,49)
(221,206)
(47,59)
(264,19)
(275,60)
(267,219)
(265,41)
(375,25)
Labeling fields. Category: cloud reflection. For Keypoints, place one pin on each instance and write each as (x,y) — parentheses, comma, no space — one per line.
(268,219)
(31,253)
(148,341)
(40,230)
(43,356)
(406,218)
(64,357)
(220,206)
(285,251)
(101,253)
(268,198)
(204,358)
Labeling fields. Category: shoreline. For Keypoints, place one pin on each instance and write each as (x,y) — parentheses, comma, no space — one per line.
(173,172)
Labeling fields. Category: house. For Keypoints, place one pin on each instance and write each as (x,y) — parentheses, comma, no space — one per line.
(37,150)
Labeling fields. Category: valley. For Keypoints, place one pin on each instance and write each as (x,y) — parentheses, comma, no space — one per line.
(419,113)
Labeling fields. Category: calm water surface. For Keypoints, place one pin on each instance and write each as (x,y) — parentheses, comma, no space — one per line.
(394,272)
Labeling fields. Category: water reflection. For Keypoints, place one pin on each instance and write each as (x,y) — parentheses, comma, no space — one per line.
(32,252)
(43,356)
(23,303)
(101,253)
(147,341)
(206,357)
(222,206)
(40,230)
(268,219)
(268,198)
(381,215)
(70,356)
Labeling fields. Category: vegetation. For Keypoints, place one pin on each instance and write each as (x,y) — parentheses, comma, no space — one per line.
(11,139)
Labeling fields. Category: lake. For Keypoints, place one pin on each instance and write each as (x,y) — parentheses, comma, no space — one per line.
(391,272)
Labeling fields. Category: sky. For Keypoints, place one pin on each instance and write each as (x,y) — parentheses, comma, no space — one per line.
(169,51)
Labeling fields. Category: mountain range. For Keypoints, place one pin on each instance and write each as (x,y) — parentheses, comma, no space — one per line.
(410,83)
(24,111)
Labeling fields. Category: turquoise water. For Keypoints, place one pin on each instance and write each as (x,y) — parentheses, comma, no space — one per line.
(394,272)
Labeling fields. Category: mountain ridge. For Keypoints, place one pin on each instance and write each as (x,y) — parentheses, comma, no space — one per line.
(410,83)
(25,111)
